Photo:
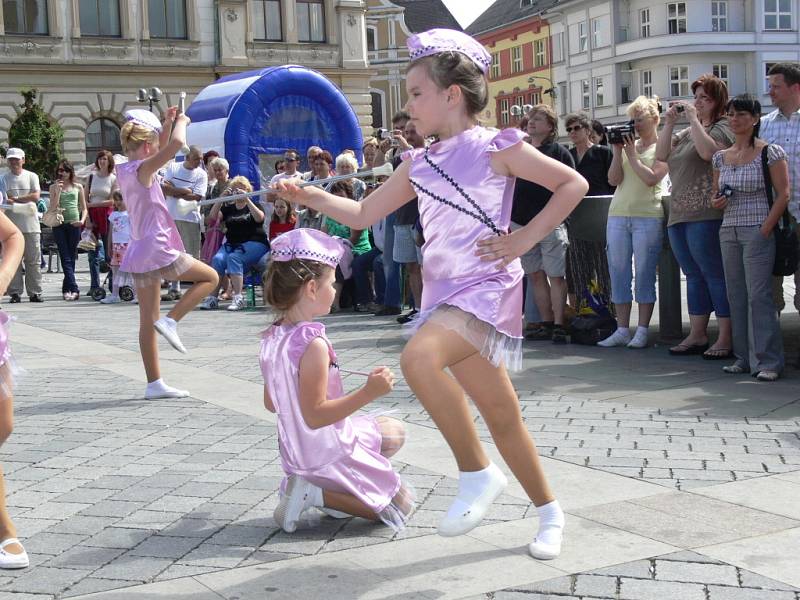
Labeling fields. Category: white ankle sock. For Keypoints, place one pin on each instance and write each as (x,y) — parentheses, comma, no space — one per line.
(159,389)
(170,321)
(317,501)
(626,331)
(551,523)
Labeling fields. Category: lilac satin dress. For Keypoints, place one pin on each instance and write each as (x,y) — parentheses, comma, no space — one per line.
(155,250)
(6,378)
(343,457)
(460,291)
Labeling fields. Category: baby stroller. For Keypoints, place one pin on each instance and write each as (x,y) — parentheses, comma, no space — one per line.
(124,281)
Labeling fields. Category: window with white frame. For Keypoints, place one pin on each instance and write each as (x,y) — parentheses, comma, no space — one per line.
(516,59)
(25,17)
(539,53)
(767,67)
(167,19)
(777,15)
(267,22)
(524,3)
(310,20)
(583,38)
(719,15)
(721,71)
(372,39)
(644,23)
(495,65)
(676,17)
(99,17)
(597,35)
(558,47)
(586,100)
(534,98)
(647,84)
(679,81)
(504,120)
(599,92)
(563,98)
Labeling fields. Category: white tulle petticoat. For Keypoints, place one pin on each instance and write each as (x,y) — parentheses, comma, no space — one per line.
(169,273)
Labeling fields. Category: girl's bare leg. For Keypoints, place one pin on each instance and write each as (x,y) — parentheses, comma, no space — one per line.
(205,282)
(429,352)
(353,506)
(7,529)
(149,304)
(393,434)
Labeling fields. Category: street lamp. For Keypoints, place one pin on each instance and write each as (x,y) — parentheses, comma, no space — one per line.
(518,111)
(151,96)
(551,90)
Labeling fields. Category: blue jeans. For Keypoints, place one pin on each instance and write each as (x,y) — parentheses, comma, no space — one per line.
(67,238)
(391,269)
(637,240)
(95,256)
(234,259)
(697,250)
(362,265)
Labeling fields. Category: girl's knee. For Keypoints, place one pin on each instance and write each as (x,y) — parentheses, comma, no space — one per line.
(6,429)
(415,359)
(393,435)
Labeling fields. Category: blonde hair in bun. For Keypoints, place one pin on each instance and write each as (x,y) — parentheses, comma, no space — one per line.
(133,135)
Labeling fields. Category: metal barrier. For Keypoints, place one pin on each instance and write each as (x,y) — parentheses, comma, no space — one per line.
(588,223)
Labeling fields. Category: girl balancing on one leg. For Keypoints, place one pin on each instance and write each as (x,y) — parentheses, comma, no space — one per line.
(470,322)
(155,250)
(12,554)
(333,460)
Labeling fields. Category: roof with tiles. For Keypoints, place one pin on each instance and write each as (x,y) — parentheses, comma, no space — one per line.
(421,15)
(506,12)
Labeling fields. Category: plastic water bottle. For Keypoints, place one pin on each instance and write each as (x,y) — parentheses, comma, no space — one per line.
(251,296)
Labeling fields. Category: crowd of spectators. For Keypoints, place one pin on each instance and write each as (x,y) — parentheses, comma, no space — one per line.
(706,153)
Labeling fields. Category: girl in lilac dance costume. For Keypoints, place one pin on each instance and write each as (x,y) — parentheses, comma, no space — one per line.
(471,318)
(333,460)
(12,554)
(155,250)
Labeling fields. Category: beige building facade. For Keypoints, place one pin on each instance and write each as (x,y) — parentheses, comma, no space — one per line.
(88,59)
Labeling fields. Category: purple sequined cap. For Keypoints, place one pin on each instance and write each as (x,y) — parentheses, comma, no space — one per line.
(308,244)
(435,41)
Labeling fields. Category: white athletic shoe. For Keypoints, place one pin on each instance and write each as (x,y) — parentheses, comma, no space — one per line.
(112,299)
(639,339)
(169,329)
(238,302)
(13,561)
(335,514)
(468,510)
(299,497)
(615,339)
(209,303)
(543,551)
(166,392)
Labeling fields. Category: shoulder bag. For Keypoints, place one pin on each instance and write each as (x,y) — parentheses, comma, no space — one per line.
(786,250)
(54,215)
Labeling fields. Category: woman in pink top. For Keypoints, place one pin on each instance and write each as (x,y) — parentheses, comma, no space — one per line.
(471,318)
(155,250)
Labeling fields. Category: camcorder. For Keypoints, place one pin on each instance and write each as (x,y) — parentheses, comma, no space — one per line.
(726,191)
(616,133)
(385,134)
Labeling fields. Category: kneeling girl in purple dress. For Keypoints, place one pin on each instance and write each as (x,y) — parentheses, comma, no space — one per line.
(334,460)
(155,250)
(469,329)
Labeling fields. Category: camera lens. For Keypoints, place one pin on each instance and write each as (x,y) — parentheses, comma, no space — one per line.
(680,108)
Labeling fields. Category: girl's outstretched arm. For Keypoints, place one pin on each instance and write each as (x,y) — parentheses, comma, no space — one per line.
(13,246)
(171,140)
(568,187)
(390,196)
(319,411)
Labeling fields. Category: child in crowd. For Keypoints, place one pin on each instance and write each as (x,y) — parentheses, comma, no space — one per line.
(333,460)
(155,250)
(283,219)
(119,235)
(12,554)
(469,329)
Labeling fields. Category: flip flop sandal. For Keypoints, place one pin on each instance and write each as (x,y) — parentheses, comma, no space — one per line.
(718,354)
(688,349)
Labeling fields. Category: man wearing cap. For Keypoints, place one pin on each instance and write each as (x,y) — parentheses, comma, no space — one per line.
(21,187)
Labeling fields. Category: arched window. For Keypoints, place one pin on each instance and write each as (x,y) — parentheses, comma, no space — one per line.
(102,134)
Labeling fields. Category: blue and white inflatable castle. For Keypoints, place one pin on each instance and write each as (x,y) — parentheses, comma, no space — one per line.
(252,118)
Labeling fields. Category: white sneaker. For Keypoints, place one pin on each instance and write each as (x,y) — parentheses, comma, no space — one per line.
(237,303)
(299,497)
(164,391)
(209,303)
(13,561)
(336,514)
(615,339)
(112,299)
(468,510)
(639,338)
(542,551)
(169,329)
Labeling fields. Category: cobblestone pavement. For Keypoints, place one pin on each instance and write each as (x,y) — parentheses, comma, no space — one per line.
(109,491)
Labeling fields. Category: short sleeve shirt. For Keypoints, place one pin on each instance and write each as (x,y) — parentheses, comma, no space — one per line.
(181,177)
(530,198)
(776,128)
(23,215)
(240,226)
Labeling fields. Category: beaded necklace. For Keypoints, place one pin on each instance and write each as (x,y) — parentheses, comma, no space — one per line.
(479,214)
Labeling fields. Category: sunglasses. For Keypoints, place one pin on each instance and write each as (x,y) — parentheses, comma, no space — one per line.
(290,159)
(574,128)
(61,171)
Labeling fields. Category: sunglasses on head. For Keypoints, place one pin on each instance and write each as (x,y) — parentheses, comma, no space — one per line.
(290,159)
(574,128)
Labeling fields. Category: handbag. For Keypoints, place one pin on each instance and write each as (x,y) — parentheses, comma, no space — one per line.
(53,217)
(786,246)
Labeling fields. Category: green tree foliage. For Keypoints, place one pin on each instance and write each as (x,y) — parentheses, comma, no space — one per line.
(40,138)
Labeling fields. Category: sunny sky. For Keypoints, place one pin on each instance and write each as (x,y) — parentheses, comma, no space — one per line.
(466,11)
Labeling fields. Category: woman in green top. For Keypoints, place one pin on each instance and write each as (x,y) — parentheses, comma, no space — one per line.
(635,228)
(68,198)
(358,237)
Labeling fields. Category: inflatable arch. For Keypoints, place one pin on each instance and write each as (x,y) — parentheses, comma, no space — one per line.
(251,118)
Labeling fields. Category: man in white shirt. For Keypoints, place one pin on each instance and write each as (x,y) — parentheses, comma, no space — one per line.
(311,155)
(291,159)
(185,184)
(21,187)
(782,127)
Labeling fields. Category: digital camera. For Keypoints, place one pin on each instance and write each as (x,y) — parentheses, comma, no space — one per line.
(383,134)
(616,133)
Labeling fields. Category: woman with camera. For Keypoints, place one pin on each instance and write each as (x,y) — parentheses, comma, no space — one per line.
(586,260)
(693,225)
(635,222)
(747,240)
